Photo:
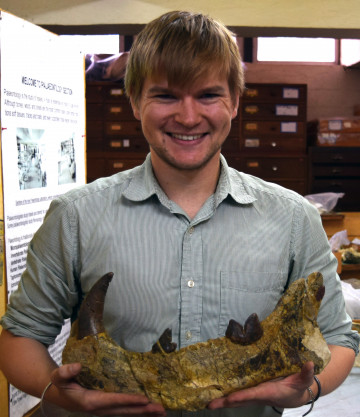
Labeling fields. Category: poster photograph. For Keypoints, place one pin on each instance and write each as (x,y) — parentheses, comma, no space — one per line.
(42,143)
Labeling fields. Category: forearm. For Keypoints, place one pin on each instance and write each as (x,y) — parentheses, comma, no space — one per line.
(25,363)
(334,374)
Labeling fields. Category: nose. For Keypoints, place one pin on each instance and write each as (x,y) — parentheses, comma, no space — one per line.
(188,112)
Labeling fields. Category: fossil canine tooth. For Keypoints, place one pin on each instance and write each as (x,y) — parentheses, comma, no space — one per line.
(90,319)
(189,378)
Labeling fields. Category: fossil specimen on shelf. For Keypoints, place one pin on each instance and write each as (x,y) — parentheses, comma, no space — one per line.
(189,378)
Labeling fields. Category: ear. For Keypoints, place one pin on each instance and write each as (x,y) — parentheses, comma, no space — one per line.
(236,107)
(135,109)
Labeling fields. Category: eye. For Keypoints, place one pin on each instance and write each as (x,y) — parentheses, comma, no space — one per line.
(164,96)
(210,95)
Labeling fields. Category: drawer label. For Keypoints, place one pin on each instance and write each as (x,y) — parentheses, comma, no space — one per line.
(286,110)
(116,92)
(288,127)
(291,92)
(252,143)
(335,124)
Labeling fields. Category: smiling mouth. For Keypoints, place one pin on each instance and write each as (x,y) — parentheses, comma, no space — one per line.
(187,138)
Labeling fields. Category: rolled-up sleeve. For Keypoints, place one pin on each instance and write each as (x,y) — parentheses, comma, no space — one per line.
(312,252)
(48,289)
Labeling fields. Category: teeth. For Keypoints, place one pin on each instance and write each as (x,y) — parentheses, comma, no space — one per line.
(186,137)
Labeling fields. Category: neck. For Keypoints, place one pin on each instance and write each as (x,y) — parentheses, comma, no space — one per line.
(187,188)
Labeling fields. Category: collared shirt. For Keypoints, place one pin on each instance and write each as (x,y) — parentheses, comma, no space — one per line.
(244,247)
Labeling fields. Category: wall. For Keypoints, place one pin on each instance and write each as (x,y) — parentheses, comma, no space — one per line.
(332,91)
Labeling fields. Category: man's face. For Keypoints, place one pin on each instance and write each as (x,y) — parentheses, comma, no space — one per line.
(186,127)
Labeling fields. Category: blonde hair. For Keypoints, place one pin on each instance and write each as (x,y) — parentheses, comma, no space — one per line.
(183,46)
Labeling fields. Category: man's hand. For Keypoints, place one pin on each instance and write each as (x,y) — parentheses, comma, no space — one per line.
(71,396)
(282,393)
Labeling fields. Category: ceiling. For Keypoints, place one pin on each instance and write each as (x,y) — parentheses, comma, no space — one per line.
(328,18)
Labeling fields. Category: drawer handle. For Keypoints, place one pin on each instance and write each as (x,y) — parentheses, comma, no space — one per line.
(118,165)
(115,127)
(336,171)
(337,158)
(336,184)
(116,109)
(274,144)
(274,168)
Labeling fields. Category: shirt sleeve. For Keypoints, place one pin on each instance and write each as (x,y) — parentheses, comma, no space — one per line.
(312,253)
(48,290)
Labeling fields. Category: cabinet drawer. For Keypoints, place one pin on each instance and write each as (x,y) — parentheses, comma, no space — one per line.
(125,127)
(273,111)
(104,166)
(105,92)
(336,171)
(283,128)
(114,92)
(94,93)
(275,92)
(95,168)
(94,111)
(273,145)
(126,145)
(118,111)
(298,186)
(94,134)
(121,164)
(275,168)
(335,155)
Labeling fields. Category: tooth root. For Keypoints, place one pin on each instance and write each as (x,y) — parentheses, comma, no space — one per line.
(90,317)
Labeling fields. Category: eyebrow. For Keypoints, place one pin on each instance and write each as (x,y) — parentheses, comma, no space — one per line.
(214,89)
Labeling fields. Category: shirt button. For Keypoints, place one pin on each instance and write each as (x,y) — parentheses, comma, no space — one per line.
(188,335)
(191,230)
(191,283)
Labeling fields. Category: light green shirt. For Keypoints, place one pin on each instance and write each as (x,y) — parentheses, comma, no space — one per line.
(244,247)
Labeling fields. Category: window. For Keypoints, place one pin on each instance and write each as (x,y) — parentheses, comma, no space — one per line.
(349,51)
(291,49)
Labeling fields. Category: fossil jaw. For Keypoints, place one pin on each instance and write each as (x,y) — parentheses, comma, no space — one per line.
(189,378)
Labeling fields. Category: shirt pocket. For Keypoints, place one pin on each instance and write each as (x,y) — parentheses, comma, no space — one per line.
(245,293)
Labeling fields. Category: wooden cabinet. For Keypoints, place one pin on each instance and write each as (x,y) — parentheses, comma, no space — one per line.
(267,138)
(336,169)
(273,134)
(114,137)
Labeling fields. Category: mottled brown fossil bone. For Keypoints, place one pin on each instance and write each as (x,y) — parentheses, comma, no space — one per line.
(189,378)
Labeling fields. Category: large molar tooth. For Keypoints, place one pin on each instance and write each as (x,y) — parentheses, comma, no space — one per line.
(250,333)
(90,318)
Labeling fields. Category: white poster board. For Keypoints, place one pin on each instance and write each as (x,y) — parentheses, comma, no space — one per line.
(42,141)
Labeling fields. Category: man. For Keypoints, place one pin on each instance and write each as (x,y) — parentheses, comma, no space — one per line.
(192,243)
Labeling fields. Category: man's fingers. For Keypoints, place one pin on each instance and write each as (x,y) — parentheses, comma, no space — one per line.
(65,373)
